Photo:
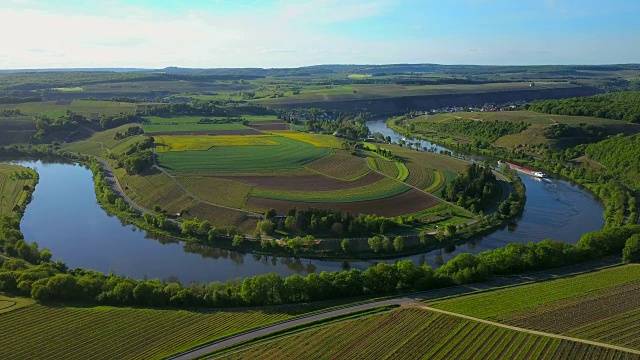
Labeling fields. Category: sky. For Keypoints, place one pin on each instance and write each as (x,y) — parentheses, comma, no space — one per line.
(261,33)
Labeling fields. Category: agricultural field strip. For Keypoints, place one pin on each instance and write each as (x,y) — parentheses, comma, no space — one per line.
(198,199)
(534,332)
(623,329)
(30,325)
(496,305)
(516,282)
(378,190)
(339,166)
(289,155)
(362,338)
(167,143)
(564,316)
(422,191)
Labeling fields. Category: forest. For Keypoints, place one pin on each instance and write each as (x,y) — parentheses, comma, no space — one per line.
(617,106)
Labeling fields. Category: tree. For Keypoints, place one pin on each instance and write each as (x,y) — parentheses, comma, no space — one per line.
(237,240)
(266,227)
(398,243)
(375,243)
(345,245)
(291,223)
(386,243)
(631,251)
(423,236)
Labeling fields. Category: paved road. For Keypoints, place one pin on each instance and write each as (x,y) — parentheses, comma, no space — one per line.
(400,300)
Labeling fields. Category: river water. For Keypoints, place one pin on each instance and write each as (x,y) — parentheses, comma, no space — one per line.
(65,217)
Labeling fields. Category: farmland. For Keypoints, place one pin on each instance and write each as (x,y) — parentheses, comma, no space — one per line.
(207,188)
(414,333)
(602,306)
(13,179)
(108,332)
(289,155)
(378,190)
(189,128)
(197,143)
(85,107)
(340,165)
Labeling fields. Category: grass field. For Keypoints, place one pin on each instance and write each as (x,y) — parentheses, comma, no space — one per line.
(9,303)
(12,191)
(120,333)
(518,116)
(217,191)
(340,165)
(379,190)
(288,155)
(166,143)
(85,107)
(391,168)
(420,334)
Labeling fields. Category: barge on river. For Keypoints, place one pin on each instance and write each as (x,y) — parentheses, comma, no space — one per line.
(524,170)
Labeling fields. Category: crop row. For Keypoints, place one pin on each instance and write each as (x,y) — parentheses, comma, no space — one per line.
(565,315)
(83,333)
(218,216)
(318,140)
(165,143)
(155,188)
(496,305)
(386,167)
(420,176)
(379,190)
(340,166)
(622,330)
(416,333)
(288,155)
(216,191)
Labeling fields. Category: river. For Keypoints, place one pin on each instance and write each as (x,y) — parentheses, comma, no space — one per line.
(65,217)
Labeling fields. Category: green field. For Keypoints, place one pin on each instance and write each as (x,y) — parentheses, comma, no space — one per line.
(191,127)
(62,332)
(85,107)
(379,190)
(315,93)
(496,305)
(415,333)
(13,179)
(602,306)
(289,155)
(103,142)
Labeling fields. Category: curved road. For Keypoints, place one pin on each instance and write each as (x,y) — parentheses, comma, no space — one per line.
(407,299)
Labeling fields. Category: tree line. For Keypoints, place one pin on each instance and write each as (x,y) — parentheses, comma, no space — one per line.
(617,106)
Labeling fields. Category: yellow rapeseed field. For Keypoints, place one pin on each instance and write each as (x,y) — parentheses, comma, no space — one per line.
(166,143)
(318,140)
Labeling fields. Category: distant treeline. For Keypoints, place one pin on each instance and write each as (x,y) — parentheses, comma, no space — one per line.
(617,106)
(19,100)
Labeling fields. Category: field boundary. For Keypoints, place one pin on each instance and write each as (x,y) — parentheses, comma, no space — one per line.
(529,331)
(155,165)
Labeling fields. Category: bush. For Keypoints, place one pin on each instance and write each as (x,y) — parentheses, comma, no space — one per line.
(631,251)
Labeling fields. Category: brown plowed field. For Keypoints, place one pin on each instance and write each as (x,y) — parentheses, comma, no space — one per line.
(304,182)
(210,132)
(406,203)
(264,126)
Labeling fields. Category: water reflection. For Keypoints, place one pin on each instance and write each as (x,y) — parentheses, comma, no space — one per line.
(65,218)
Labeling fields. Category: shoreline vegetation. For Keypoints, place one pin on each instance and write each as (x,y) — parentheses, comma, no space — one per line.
(46,281)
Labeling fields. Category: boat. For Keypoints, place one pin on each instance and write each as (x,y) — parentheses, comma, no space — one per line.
(524,170)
